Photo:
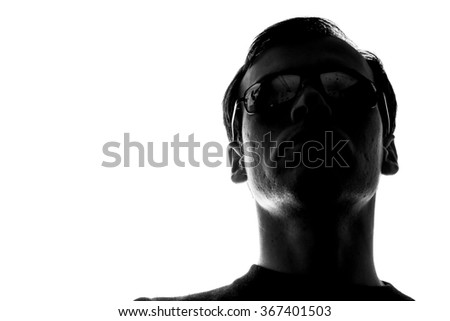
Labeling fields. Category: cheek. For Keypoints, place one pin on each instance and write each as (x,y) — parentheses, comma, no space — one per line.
(257,139)
(251,137)
(259,180)
(250,128)
(371,144)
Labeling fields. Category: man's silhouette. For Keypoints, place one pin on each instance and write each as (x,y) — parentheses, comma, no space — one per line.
(310,120)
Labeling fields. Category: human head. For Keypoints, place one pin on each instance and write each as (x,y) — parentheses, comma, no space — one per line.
(297,30)
(301,33)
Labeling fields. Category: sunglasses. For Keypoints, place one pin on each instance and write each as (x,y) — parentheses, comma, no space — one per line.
(342,90)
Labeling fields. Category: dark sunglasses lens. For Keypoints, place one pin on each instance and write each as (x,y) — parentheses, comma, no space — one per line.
(251,96)
(272,93)
(282,89)
(348,90)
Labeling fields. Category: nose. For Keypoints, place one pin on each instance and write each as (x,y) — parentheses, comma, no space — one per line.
(310,102)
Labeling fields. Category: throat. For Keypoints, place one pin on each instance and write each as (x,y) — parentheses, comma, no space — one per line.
(325,248)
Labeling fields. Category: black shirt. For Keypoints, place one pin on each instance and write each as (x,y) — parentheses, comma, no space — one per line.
(261,284)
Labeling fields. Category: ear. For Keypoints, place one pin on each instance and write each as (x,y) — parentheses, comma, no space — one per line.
(238,172)
(389,165)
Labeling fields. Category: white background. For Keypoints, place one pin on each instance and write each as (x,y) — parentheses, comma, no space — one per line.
(77,74)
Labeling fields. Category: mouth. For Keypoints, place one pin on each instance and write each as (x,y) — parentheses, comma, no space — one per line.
(295,142)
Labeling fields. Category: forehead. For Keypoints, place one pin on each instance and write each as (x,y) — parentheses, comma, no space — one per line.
(326,52)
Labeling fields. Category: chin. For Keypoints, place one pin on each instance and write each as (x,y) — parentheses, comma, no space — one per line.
(323,187)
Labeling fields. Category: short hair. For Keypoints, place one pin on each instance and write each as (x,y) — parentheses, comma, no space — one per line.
(300,30)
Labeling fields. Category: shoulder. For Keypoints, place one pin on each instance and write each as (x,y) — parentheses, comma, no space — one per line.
(225,293)
(392,294)
(239,290)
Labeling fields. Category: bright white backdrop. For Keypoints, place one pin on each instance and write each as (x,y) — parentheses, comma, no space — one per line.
(76,75)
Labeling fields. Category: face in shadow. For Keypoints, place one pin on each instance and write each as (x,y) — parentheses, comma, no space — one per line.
(334,152)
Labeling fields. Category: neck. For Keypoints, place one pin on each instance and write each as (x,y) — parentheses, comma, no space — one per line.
(331,245)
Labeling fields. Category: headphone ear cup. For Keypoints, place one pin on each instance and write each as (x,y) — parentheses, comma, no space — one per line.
(236,159)
(389,164)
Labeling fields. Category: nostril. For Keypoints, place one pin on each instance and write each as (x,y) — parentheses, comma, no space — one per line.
(298,113)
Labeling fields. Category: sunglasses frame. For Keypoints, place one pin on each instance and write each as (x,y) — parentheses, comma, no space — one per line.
(351,72)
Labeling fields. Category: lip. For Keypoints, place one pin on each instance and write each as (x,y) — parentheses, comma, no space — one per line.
(299,135)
